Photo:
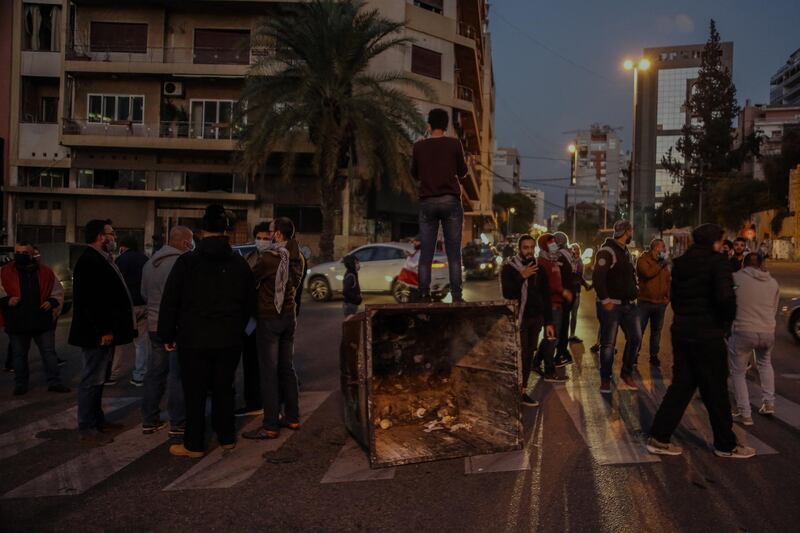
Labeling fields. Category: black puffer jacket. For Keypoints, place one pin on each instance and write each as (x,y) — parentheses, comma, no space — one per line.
(209,297)
(703,298)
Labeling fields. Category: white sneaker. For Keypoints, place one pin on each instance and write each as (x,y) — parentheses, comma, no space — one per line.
(663,448)
(767,408)
(740,452)
(741,419)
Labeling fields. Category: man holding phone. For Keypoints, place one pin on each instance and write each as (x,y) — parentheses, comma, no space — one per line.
(522,282)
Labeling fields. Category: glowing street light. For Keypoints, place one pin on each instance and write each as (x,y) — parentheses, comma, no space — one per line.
(643,64)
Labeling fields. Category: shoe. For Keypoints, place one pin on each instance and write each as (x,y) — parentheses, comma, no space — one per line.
(741,419)
(19,390)
(627,382)
(181,451)
(61,362)
(9,369)
(248,411)
(555,378)
(137,382)
(567,359)
(59,388)
(767,409)
(595,348)
(459,300)
(740,452)
(95,438)
(605,386)
(177,432)
(110,382)
(663,448)
(527,400)
(149,429)
(539,370)
(229,447)
(105,427)
(261,434)
(294,426)
(655,361)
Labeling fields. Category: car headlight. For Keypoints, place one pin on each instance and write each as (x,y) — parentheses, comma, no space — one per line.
(483,266)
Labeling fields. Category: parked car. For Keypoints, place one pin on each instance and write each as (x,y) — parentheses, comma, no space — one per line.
(380,266)
(480,262)
(791,313)
(61,257)
(6,254)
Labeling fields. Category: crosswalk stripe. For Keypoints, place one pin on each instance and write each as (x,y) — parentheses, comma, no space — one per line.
(10,405)
(513,461)
(92,467)
(219,470)
(786,410)
(352,464)
(23,438)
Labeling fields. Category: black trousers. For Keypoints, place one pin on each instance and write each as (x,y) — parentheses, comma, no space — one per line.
(529,332)
(563,332)
(202,371)
(700,362)
(252,380)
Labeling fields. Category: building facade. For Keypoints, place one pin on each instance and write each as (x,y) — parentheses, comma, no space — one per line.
(537,197)
(507,168)
(124,110)
(663,90)
(784,85)
(598,166)
(770,123)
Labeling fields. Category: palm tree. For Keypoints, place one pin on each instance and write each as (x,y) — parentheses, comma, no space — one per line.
(318,87)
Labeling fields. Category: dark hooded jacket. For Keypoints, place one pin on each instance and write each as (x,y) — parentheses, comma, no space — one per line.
(351,289)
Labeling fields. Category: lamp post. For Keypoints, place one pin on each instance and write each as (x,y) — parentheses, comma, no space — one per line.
(511,211)
(643,64)
(573,181)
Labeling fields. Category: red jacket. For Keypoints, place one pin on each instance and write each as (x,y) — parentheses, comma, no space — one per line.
(553,271)
(49,287)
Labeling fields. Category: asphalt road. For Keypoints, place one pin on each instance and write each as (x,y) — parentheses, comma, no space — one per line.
(583,468)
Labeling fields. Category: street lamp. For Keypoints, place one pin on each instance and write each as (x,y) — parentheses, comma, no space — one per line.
(573,181)
(643,64)
(511,211)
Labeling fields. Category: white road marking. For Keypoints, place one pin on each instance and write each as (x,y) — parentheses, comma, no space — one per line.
(352,464)
(91,468)
(10,405)
(219,470)
(513,461)
(20,439)
(785,410)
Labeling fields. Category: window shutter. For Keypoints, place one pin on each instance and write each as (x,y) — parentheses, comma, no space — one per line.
(426,62)
(118,37)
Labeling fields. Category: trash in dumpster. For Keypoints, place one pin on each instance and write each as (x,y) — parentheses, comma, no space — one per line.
(432,381)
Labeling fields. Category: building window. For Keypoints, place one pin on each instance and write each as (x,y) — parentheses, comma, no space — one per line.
(226,47)
(43,177)
(125,37)
(426,62)
(307,219)
(43,205)
(171,181)
(116,107)
(212,119)
(29,204)
(431,5)
(41,234)
(56,206)
(112,179)
(215,182)
(41,28)
(49,110)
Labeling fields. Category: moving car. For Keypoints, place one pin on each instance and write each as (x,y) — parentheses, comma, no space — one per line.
(480,262)
(380,265)
(791,313)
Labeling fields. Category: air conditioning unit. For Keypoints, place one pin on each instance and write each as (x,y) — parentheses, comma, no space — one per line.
(173,88)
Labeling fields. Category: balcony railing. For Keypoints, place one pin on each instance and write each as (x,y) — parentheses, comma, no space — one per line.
(158,54)
(164,129)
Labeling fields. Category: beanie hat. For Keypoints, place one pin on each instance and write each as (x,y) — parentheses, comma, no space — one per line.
(215,220)
(544,238)
(620,227)
(707,234)
(561,239)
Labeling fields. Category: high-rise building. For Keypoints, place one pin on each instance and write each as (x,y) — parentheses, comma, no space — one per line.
(663,90)
(537,197)
(124,110)
(506,168)
(784,85)
(598,173)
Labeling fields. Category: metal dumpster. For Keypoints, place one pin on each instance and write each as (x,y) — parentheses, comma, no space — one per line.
(423,382)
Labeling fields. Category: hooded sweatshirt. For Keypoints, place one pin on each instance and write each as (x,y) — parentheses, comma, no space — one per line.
(154,277)
(757,296)
(548,262)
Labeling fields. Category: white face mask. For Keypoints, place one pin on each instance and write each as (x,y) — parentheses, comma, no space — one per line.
(552,247)
(263,245)
(110,246)
(191,246)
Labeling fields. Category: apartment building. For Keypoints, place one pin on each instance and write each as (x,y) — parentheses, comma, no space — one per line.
(784,85)
(507,169)
(598,165)
(125,110)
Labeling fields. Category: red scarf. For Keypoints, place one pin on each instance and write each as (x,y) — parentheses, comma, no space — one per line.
(9,277)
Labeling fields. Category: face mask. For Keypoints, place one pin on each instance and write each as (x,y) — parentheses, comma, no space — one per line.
(23,260)
(192,246)
(552,247)
(110,246)
(263,245)
(662,256)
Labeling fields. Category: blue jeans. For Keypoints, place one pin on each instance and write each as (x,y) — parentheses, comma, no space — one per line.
(654,314)
(162,368)
(447,211)
(625,316)
(21,345)
(275,339)
(90,390)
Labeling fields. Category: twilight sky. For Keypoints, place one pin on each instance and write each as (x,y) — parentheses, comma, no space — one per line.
(558,65)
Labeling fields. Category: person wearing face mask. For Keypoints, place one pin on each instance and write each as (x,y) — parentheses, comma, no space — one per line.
(572,286)
(550,268)
(163,368)
(351,290)
(654,275)
(615,283)
(102,318)
(29,302)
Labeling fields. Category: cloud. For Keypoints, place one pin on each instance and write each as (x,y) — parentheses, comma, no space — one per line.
(681,23)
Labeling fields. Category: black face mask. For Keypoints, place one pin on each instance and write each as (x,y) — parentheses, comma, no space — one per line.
(23,260)
(527,260)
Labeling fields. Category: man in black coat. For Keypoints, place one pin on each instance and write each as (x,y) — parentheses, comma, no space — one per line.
(704,305)
(207,302)
(102,318)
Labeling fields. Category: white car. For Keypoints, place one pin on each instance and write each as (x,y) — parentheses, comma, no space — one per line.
(380,265)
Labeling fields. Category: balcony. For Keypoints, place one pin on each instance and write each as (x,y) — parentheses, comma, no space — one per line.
(39,141)
(164,135)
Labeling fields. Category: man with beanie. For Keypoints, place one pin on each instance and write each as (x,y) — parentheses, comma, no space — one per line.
(549,268)
(569,279)
(704,305)
(209,297)
(523,282)
(614,282)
